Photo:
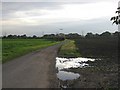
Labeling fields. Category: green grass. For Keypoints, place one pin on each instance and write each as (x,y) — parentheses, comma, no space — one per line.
(69,49)
(12,48)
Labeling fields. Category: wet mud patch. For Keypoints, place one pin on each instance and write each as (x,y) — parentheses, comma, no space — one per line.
(66,77)
(100,74)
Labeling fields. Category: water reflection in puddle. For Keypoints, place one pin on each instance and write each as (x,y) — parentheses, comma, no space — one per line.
(66,63)
(64,75)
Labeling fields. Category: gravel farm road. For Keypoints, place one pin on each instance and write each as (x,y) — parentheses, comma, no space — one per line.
(34,70)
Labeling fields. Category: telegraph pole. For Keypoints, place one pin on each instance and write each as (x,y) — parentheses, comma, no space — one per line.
(43,33)
(82,33)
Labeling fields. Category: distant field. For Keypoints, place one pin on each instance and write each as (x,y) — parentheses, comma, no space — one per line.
(102,47)
(69,49)
(12,48)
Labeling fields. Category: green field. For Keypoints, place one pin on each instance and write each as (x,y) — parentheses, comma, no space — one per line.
(12,48)
(69,49)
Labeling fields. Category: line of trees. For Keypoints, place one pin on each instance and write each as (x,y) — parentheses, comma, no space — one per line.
(61,36)
(103,35)
(20,37)
(77,36)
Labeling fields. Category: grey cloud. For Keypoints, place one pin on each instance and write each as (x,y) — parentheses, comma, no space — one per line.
(96,26)
(8,8)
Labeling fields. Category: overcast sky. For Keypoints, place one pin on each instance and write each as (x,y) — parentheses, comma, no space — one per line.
(37,18)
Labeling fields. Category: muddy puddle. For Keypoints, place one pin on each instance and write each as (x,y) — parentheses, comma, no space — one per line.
(64,75)
(66,79)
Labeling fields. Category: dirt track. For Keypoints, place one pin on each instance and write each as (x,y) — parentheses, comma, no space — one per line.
(34,70)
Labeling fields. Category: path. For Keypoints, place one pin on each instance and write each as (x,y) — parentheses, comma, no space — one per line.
(34,70)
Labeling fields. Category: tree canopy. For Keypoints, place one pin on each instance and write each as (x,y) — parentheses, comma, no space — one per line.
(116,19)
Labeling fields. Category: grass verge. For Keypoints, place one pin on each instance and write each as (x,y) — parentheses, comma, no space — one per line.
(69,49)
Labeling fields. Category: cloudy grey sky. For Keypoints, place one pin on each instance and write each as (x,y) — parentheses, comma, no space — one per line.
(34,18)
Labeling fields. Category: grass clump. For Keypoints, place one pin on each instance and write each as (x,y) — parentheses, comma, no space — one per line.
(69,49)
